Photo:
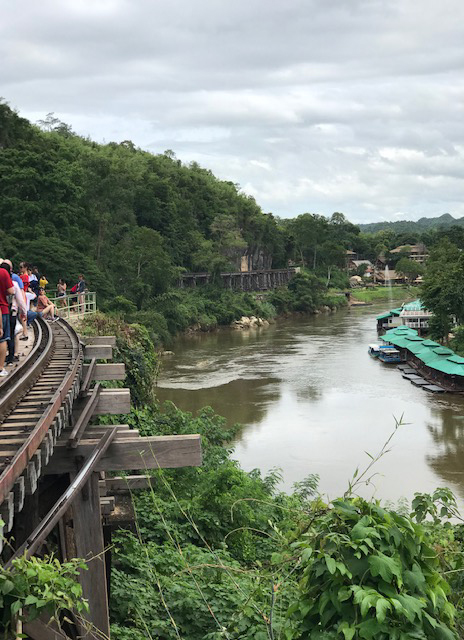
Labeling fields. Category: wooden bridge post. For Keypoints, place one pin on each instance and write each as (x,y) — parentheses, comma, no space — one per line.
(88,539)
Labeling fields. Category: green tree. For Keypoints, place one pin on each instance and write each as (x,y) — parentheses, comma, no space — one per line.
(442,290)
(409,268)
(143,266)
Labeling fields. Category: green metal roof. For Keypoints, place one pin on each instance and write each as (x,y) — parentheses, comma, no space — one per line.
(451,368)
(444,351)
(399,341)
(415,305)
(399,331)
(415,347)
(431,353)
(389,314)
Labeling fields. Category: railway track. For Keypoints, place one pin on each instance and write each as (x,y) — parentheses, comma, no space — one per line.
(35,405)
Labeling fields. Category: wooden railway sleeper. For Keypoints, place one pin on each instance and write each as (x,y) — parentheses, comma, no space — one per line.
(30,478)
(7,512)
(19,494)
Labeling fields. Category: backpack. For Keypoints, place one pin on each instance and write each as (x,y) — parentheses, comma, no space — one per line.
(74,289)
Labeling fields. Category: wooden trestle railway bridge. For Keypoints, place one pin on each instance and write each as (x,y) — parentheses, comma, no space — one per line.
(258,280)
(53,490)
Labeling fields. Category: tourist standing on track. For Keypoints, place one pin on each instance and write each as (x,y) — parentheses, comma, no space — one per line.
(61,292)
(23,274)
(6,289)
(17,306)
(81,286)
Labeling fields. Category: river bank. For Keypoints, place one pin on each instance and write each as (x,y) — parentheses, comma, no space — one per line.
(382,293)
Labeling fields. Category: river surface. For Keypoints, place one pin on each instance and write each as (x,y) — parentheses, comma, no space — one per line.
(311,400)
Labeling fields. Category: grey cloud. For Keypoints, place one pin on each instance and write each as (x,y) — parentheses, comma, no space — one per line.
(311,105)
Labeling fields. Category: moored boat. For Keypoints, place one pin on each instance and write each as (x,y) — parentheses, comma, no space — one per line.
(389,355)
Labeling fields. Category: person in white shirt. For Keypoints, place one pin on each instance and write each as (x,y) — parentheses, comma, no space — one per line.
(18,305)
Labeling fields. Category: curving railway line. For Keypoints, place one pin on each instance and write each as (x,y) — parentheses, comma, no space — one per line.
(35,404)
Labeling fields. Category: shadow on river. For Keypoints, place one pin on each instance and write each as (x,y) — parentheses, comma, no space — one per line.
(311,400)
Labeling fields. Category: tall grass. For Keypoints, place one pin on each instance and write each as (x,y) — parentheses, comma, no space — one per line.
(384,293)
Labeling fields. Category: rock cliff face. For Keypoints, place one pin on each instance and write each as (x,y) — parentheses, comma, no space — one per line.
(251,322)
(255,259)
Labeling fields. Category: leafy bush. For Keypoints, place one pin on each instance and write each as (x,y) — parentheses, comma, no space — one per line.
(305,292)
(133,347)
(39,586)
(370,573)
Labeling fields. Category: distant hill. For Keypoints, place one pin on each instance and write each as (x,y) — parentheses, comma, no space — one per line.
(423,224)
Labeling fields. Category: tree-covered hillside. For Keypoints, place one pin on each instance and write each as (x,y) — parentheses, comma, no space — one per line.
(423,224)
(126,218)
(131,221)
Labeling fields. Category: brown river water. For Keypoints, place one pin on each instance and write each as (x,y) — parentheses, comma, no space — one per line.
(311,400)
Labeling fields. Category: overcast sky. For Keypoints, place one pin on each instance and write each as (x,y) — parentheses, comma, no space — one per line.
(310,105)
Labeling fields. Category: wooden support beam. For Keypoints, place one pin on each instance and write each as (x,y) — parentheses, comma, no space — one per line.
(88,375)
(96,431)
(78,481)
(120,484)
(112,371)
(106,505)
(38,630)
(19,490)
(7,511)
(111,340)
(138,454)
(88,536)
(30,478)
(113,401)
(99,351)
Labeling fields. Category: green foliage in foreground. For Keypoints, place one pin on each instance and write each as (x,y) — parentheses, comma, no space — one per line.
(39,586)
(370,573)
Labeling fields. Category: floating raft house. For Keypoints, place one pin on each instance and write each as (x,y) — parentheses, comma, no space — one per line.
(432,359)
(413,315)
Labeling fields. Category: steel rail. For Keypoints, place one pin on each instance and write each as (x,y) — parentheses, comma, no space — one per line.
(62,505)
(26,451)
(18,382)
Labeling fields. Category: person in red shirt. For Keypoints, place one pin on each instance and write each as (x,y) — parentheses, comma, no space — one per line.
(23,274)
(6,289)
